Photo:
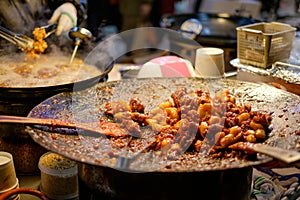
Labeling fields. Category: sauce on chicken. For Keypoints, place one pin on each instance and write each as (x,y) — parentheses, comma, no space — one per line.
(39,44)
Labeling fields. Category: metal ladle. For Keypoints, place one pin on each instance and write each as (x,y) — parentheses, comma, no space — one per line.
(78,35)
(191,28)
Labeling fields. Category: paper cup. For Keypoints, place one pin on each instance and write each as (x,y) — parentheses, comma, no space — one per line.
(209,62)
(12,197)
(8,178)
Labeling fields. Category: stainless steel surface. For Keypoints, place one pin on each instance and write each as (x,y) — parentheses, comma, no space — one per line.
(284,75)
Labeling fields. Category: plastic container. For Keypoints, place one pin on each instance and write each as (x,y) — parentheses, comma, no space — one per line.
(8,178)
(209,62)
(262,44)
(12,197)
(59,178)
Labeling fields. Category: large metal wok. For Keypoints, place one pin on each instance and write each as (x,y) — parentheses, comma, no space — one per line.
(18,100)
(104,176)
(218,30)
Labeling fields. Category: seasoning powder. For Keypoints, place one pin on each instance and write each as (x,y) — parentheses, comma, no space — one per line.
(58,176)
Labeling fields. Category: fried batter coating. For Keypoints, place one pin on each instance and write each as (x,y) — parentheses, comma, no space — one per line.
(39,44)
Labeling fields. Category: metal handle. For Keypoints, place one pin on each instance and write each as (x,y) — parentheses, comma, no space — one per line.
(78,35)
(22,41)
(287,156)
(285,65)
(50,28)
(7,34)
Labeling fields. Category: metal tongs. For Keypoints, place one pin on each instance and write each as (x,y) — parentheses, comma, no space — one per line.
(22,41)
(78,35)
(50,28)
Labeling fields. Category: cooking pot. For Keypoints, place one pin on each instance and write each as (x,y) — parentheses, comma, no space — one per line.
(107,183)
(100,174)
(19,100)
(218,30)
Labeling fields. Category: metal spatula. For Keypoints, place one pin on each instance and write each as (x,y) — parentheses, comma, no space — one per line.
(54,123)
(287,156)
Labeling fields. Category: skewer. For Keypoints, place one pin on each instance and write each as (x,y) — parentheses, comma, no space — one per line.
(74,53)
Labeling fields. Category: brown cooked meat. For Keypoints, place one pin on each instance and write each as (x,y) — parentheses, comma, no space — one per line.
(192,119)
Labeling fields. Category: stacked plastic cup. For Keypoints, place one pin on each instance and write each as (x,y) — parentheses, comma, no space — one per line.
(8,178)
(209,62)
